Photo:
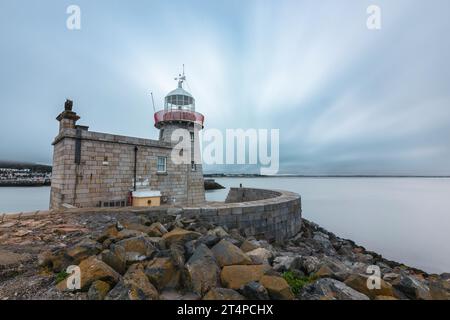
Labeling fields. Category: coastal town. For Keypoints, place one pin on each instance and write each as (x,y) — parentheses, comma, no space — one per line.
(24,177)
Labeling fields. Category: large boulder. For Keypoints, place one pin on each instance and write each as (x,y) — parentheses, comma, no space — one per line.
(330,289)
(218,232)
(137,248)
(277,287)
(228,254)
(92,269)
(309,264)
(284,263)
(202,270)
(98,290)
(83,250)
(134,286)
(110,232)
(359,282)
(255,291)
(156,230)
(162,273)
(56,261)
(440,289)
(180,235)
(234,277)
(411,288)
(249,245)
(126,233)
(260,256)
(333,268)
(115,258)
(223,294)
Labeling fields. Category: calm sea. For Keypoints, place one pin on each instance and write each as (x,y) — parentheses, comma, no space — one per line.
(404,219)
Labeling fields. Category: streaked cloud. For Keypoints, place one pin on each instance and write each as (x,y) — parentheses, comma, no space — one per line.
(346,99)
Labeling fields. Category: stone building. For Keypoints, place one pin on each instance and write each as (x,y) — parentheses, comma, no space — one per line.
(92,169)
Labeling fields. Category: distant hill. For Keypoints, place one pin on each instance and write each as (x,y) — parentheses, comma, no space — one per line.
(35,167)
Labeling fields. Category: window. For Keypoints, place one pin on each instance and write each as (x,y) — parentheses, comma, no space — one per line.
(192,136)
(161,165)
(193,166)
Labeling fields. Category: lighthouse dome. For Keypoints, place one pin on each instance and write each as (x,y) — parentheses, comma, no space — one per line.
(179,99)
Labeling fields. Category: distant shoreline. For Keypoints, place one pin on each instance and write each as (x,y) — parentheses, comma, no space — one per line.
(231,175)
(24,184)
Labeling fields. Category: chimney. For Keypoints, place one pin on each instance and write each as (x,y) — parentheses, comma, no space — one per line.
(68,118)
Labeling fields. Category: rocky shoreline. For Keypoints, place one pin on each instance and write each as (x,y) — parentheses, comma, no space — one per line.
(131,256)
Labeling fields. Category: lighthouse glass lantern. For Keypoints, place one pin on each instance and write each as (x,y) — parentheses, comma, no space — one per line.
(179,106)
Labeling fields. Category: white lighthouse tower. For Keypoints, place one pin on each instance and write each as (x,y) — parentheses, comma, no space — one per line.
(179,113)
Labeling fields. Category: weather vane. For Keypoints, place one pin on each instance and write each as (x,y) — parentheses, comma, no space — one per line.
(181,78)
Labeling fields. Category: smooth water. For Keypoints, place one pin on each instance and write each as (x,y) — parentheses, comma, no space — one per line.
(24,199)
(404,219)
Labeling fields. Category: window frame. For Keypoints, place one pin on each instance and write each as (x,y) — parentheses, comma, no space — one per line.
(158,164)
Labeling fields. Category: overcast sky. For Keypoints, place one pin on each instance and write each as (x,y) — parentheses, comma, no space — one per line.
(347,100)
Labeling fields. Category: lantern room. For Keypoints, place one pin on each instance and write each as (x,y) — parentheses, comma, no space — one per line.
(179,106)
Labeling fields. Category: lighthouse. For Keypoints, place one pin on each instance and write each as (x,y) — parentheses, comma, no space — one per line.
(179,121)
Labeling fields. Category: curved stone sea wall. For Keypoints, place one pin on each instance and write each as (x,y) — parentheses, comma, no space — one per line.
(270,214)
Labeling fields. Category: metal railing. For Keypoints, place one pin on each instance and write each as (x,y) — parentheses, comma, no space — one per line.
(178,115)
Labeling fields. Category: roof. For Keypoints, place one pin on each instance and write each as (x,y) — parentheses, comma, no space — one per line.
(179,91)
(146,194)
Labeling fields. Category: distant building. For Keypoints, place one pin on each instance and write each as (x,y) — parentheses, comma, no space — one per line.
(92,169)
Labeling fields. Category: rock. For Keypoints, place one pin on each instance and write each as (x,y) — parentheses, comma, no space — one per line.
(234,277)
(385,298)
(83,250)
(260,256)
(255,291)
(440,289)
(156,230)
(171,294)
(323,239)
(189,248)
(277,287)
(412,288)
(389,277)
(249,245)
(309,264)
(134,286)
(136,227)
(202,270)
(98,290)
(57,261)
(326,289)
(333,268)
(108,233)
(359,283)
(222,294)
(158,242)
(11,264)
(92,269)
(228,254)
(218,232)
(283,263)
(162,273)
(115,258)
(125,234)
(209,240)
(180,235)
(137,248)
(177,253)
